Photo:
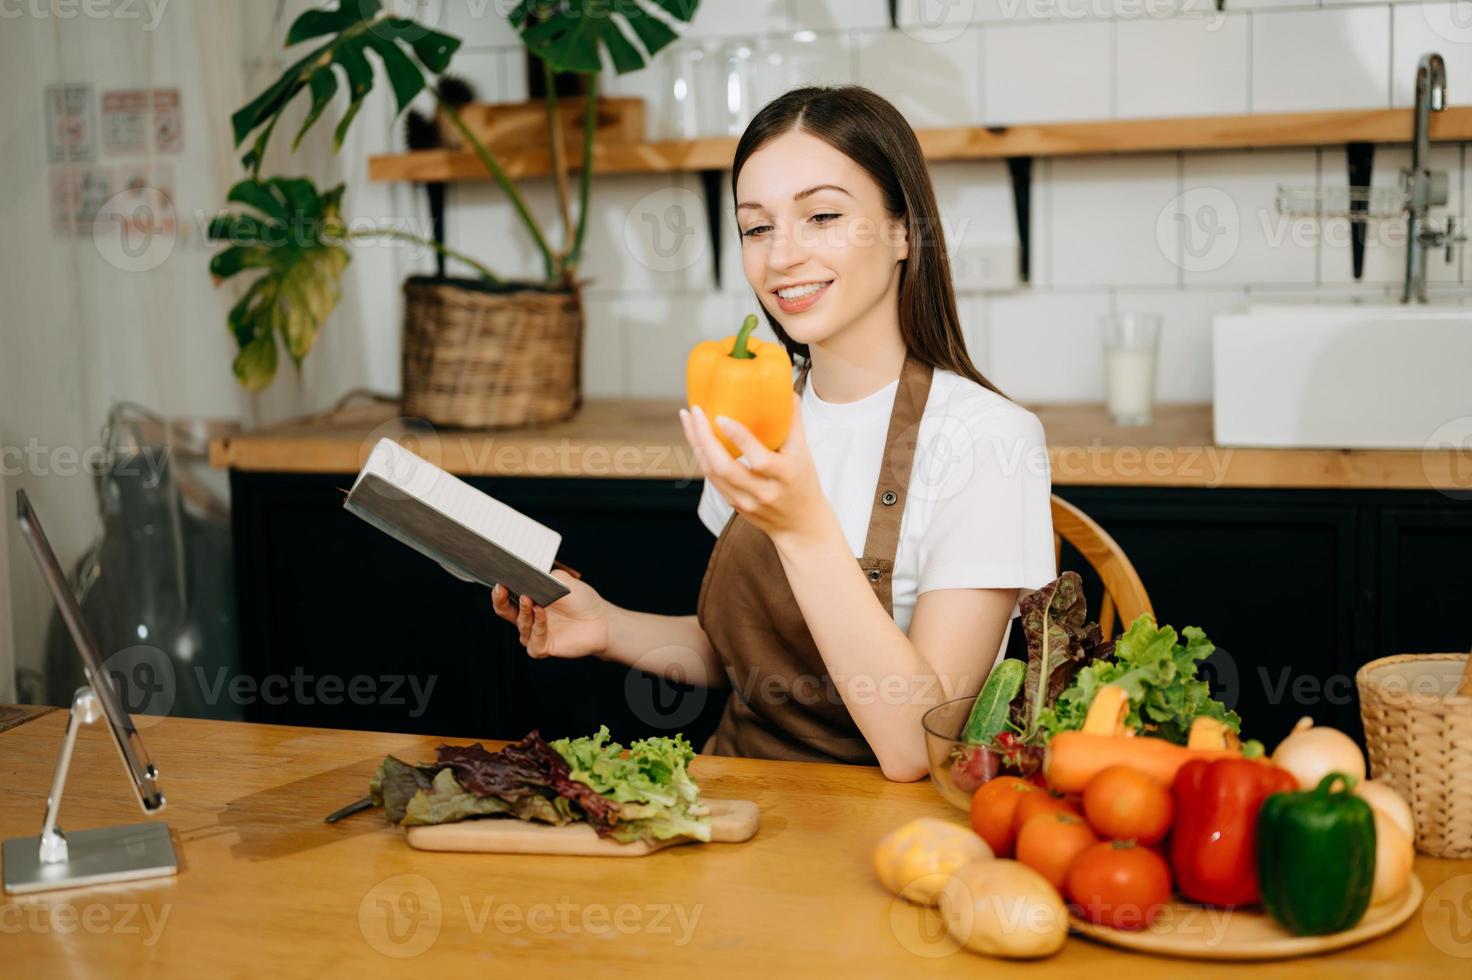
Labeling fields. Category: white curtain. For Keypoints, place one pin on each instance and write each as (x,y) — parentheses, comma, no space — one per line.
(93,314)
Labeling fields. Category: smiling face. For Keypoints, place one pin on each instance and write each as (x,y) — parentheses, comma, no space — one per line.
(810,217)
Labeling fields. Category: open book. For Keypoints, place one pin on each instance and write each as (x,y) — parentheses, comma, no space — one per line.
(472,534)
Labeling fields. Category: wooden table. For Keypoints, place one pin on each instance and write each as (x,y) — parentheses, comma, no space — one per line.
(267,889)
(15,715)
(641,438)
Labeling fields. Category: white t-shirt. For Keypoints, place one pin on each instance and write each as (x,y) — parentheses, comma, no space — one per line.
(978,514)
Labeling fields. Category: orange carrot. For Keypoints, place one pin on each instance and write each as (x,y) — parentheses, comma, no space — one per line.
(1073,758)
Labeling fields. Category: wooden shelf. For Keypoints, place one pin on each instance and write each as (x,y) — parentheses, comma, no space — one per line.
(680,156)
(977,143)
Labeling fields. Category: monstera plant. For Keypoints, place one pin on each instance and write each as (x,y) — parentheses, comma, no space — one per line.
(294,236)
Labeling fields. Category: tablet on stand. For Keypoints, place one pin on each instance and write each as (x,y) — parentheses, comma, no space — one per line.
(107,854)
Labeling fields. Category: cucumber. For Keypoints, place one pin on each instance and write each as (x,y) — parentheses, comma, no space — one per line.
(993,705)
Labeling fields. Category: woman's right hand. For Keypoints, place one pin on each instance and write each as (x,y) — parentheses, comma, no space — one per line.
(574,626)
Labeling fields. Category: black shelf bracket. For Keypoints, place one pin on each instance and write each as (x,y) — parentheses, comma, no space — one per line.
(1361,158)
(710,185)
(1019,169)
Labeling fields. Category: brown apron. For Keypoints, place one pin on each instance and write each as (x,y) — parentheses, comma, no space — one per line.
(783,703)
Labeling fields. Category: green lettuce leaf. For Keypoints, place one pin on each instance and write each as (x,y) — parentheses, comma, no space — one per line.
(395,783)
(1160,676)
(650,781)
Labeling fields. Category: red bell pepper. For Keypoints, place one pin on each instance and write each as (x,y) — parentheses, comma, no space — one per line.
(1214,841)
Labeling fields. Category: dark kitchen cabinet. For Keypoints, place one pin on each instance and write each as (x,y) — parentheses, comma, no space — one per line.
(1271,576)
(330,602)
(1296,587)
(1421,577)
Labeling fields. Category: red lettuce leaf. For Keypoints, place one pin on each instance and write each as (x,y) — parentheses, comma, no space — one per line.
(528,767)
(1059,642)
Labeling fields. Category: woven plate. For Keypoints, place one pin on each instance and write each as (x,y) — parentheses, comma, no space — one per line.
(1197,933)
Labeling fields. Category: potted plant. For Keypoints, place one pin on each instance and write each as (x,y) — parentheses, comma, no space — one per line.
(481,351)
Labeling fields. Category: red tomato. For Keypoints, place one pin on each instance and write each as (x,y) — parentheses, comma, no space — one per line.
(993,808)
(1118,884)
(1125,804)
(1036,803)
(1049,842)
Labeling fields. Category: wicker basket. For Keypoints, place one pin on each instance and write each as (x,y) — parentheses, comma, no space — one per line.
(481,356)
(1419,733)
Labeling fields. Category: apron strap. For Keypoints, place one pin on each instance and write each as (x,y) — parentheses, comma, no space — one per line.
(883,539)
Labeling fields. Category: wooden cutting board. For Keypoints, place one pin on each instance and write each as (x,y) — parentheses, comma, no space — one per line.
(731,821)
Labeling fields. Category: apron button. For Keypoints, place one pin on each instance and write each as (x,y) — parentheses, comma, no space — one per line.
(875,575)
(889,498)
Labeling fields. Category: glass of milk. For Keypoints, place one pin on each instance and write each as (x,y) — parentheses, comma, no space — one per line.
(1130,344)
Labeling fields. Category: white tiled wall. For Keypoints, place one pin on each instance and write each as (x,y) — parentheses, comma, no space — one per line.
(1192,65)
(1305,60)
(934,83)
(1445,28)
(1044,346)
(1104,226)
(1228,228)
(1182,234)
(1048,72)
(839,15)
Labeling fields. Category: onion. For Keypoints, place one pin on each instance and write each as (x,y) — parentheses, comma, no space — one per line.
(1382,797)
(1394,855)
(1311,753)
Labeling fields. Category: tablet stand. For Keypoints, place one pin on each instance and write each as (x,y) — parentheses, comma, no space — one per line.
(87,857)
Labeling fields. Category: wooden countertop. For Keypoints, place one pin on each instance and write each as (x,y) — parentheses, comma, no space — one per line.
(642,438)
(267,889)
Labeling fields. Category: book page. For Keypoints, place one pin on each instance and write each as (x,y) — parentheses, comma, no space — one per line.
(531,541)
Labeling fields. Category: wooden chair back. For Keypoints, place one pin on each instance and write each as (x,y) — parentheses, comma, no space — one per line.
(1124,593)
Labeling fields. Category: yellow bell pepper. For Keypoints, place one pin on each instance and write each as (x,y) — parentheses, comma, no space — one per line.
(745,379)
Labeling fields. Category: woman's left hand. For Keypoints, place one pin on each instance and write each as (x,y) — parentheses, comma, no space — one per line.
(779,492)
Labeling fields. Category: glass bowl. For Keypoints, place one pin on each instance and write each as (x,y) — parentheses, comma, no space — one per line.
(956,769)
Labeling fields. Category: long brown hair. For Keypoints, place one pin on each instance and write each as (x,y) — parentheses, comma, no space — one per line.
(865,127)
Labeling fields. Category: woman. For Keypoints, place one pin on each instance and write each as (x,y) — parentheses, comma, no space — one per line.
(901,455)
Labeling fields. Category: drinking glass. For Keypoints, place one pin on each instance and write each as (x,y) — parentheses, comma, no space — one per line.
(732,86)
(683,68)
(1131,343)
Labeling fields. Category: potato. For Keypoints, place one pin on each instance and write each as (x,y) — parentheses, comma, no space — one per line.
(913,860)
(1001,907)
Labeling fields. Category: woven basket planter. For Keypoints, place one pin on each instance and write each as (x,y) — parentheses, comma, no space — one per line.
(481,356)
(1419,733)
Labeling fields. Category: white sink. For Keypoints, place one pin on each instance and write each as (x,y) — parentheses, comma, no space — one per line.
(1373,376)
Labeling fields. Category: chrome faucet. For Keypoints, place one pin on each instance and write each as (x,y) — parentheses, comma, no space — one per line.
(1425,188)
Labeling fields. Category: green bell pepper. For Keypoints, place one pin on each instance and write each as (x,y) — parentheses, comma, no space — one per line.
(1316,857)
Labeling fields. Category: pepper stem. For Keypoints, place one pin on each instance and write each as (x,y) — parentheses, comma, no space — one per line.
(747,326)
